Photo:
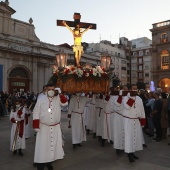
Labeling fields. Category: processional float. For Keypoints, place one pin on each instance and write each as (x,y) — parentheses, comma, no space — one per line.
(76,78)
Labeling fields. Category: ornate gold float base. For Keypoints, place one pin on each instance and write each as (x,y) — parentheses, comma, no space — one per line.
(72,85)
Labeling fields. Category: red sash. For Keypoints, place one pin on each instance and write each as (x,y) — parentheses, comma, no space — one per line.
(26,119)
(21,128)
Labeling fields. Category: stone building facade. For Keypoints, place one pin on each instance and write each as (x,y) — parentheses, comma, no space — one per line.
(141,60)
(117,52)
(25,61)
(161,54)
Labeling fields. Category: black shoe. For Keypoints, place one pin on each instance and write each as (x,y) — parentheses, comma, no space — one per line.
(94,135)
(118,151)
(144,145)
(15,152)
(99,138)
(111,142)
(34,165)
(74,145)
(131,159)
(158,140)
(102,142)
(20,153)
(49,166)
(79,145)
(134,156)
(154,139)
(88,131)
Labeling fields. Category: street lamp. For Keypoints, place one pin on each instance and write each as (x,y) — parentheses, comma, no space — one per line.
(105,62)
(61,59)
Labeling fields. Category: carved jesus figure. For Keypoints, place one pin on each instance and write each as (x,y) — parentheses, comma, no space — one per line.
(77,34)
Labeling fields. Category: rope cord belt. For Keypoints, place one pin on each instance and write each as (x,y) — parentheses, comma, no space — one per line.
(51,125)
(124,116)
(100,110)
(77,112)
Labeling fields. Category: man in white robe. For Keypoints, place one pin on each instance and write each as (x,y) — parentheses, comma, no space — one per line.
(91,125)
(106,131)
(134,117)
(96,110)
(46,122)
(86,114)
(118,120)
(100,117)
(76,118)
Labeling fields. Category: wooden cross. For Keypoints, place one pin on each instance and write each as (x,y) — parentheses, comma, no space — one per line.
(76,21)
(77,34)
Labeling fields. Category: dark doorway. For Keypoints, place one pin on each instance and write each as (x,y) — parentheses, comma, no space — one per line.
(18,80)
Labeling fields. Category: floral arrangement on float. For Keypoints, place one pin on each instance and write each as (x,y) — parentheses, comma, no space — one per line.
(81,79)
(77,78)
(79,72)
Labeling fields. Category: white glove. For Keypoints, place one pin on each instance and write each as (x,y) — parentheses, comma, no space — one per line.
(120,92)
(128,95)
(37,130)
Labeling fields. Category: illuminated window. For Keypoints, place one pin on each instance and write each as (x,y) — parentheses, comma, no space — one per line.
(165,60)
(164,37)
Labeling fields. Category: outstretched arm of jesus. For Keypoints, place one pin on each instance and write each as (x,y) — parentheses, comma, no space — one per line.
(65,24)
(86,29)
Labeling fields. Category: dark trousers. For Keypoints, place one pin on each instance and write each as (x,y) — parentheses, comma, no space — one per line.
(157,124)
(41,166)
(150,125)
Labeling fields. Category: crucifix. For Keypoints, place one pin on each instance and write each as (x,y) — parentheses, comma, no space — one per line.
(77,34)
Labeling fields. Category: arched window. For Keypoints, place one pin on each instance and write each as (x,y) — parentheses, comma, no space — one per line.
(18,73)
(164,37)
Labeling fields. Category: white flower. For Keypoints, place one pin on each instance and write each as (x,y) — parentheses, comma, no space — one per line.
(99,74)
(99,69)
(87,75)
(79,72)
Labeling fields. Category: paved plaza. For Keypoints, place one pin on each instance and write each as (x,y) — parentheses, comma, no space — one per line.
(91,156)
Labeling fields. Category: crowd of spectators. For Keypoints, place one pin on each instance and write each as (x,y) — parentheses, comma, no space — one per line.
(157,111)
(7,100)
